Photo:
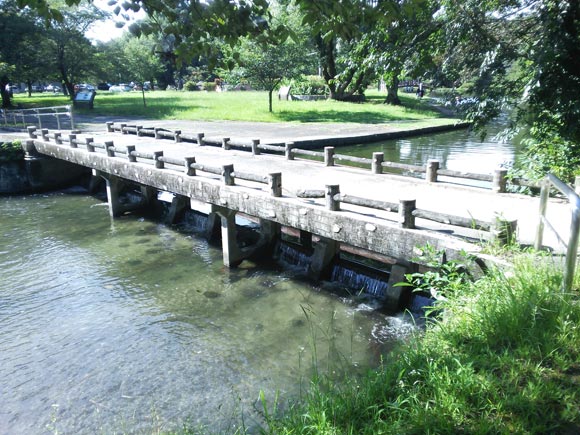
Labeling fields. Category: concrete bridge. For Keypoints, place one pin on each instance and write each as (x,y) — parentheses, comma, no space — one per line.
(281,186)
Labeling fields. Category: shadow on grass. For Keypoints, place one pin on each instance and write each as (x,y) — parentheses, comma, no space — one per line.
(365,117)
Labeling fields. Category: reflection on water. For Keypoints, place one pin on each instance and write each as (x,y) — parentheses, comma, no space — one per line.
(128,326)
(459,150)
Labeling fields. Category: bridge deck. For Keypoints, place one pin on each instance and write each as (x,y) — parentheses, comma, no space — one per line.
(468,202)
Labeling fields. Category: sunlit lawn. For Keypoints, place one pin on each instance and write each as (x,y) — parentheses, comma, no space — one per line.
(242,106)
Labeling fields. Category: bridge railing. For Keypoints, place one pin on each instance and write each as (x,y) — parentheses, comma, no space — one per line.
(432,170)
(63,115)
(551,181)
(500,230)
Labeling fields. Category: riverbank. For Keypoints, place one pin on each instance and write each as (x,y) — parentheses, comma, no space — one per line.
(499,356)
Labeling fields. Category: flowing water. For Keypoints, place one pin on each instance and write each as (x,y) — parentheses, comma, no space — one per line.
(130,326)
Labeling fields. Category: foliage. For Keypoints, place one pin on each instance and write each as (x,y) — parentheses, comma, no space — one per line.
(309,85)
(443,278)
(503,358)
(11,151)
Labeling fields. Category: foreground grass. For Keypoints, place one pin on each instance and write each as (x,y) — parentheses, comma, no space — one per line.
(243,106)
(504,357)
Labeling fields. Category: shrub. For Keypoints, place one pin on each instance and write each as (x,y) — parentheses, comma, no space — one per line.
(190,86)
(11,151)
(309,85)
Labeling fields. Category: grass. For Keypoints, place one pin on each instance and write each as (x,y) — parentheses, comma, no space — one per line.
(243,106)
(503,357)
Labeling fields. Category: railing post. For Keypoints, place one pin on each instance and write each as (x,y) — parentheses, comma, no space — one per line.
(227,171)
(572,250)
(377,164)
(329,156)
(110,148)
(331,203)
(45,136)
(431,171)
(200,137)
(255,149)
(275,183)
(503,230)
(122,129)
(110,128)
(499,184)
(188,162)
(72,119)
(58,138)
(32,132)
(72,140)
(226,143)
(130,156)
(544,193)
(157,130)
(159,164)
(288,150)
(406,208)
(138,129)
(89,143)
(177,136)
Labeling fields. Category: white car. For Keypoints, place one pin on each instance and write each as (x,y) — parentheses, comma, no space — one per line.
(120,88)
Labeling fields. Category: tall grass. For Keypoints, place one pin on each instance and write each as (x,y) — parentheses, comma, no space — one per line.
(502,357)
(243,106)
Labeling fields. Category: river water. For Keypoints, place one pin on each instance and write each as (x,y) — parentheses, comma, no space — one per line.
(130,326)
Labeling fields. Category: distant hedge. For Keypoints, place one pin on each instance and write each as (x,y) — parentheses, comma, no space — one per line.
(11,151)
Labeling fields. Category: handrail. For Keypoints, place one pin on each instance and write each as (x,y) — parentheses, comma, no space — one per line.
(37,113)
(572,246)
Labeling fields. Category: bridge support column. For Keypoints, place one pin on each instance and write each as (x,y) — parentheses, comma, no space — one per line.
(305,239)
(270,233)
(178,204)
(395,295)
(232,254)
(114,185)
(325,252)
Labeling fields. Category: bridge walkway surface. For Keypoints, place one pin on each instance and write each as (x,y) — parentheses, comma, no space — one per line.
(300,174)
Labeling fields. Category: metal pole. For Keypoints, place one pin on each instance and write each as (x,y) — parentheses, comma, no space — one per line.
(572,251)
(544,193)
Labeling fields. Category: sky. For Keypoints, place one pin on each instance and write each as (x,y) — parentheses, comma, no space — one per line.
(106,30)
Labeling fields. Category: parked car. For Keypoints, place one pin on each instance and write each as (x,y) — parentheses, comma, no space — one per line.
(52,88)
(121,88)
(103,86)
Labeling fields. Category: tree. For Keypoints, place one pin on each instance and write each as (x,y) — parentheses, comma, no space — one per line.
(141,61)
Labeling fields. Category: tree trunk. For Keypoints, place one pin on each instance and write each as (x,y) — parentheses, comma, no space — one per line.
(6,101)
(393,91)
(143,92)
(270,100)
(29,87)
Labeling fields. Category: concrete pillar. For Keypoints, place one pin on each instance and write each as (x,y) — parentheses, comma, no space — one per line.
(123,130)
(110,128)
(232,255)
(158,157)
(114,185)
(255,149)
(329,156)
(325,252)
(275,183)
(227,177)
(288,151)
(130,156)
(499,184)
(89,141)
(270,234)
(32,132)
(431,173)
(394,293)
(72,140)
(178,204)
(226,143)
(200,137)
(110,148)
(406,218)
(331,203)
(188,161)
(58,138)
(177,136)
(378,159)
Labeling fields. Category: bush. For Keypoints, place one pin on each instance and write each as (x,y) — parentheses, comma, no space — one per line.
(190,86)
(209,86)
(309,85)
(11,151)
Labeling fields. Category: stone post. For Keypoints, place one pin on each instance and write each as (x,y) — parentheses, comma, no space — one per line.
(275,183)
(32,132)
(188,169)
(123,130)
(157,156)
(72,140)
(288,150)
(377,164)
(177,136)
(89,144)
(331,203)
(329,156)
(499,184)
(255,149)
(200,137)
(110,148)
(431,172)
(406,218)
(503,231)
(227,171)
(45,136)
(110,128)
(157,131)
(226,143)
(130,156)
(58,138)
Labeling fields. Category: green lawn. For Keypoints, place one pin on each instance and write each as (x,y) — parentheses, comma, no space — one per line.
(242,106)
